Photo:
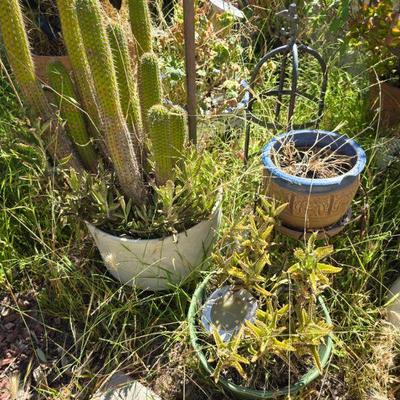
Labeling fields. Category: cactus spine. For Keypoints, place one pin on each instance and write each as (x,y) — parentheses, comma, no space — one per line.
(116,133)
(139,16)
(17,46)
(62,85)
(77,56)
(149,85)
(126,85)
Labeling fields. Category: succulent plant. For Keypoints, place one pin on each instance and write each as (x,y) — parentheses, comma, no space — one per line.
(159,121)
(17,47)
(141,26)
(166,132)
(70,112)
(178,131)
(126,84)
(149,85)
(116,134)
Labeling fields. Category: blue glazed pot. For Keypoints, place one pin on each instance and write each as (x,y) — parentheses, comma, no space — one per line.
(313,203)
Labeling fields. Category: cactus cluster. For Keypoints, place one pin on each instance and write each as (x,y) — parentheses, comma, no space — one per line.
(110,106)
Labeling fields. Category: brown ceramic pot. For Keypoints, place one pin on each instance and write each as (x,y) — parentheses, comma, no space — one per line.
(41,63)
(311,210)
(385,98)
(313,203)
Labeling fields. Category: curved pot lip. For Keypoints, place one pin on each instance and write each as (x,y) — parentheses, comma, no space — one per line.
(304,380)
(276,172)
(214,212)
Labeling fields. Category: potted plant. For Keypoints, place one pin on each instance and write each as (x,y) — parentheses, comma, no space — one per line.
(375,27)
(269,334)
(155,201)
(317,173)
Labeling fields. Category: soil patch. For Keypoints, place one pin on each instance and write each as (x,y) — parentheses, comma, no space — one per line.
(28,346)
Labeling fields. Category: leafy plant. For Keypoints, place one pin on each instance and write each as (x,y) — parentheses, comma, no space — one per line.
(309,273)
(250,255)
(375,26)
(310,334)
(288,322)
(265,332)
(227,355)
(173,207)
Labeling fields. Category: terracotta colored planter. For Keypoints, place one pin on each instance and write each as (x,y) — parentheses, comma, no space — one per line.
(41,63)
(385,98)
(313,203)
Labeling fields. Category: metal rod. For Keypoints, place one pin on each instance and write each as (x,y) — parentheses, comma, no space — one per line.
(280,88)
(295,76)
(190,65)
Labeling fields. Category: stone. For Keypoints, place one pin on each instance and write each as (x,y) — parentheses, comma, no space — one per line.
(393,310)
(122,387)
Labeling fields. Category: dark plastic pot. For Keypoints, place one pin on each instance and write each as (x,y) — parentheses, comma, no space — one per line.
(240,392)
(313,203)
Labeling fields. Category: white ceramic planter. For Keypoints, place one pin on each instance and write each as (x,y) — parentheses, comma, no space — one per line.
(156,264)
(393,314)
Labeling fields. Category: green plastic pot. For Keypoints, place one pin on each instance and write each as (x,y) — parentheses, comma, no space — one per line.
(240,392)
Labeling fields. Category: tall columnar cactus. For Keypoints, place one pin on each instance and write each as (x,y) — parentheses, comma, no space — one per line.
(128,96)
(139,15)
(70,112)
(159,120)
(149,85)
(116,133)
(177,131)
(77,57)
(166,131)
(17,46)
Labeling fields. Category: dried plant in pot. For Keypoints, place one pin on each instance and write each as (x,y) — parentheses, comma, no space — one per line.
(152,202)
(282,342)
(375,28)
(317,173)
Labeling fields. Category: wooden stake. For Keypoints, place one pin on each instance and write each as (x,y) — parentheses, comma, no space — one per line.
(190,65)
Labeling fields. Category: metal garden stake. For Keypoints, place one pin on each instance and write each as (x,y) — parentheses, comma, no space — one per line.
(290,52)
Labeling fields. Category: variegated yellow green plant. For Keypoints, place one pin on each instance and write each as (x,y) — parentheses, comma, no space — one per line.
(288,324)
(227,355)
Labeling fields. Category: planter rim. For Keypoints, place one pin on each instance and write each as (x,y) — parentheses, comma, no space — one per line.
(337,180)
(214,210)
(307,378)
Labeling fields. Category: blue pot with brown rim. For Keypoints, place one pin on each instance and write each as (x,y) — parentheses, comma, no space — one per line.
(313,203)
